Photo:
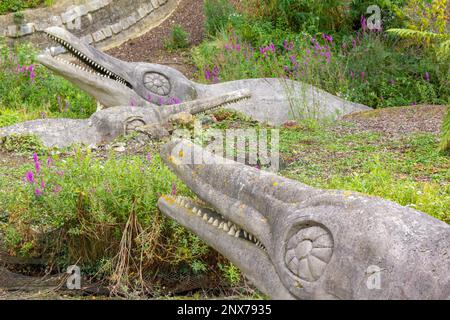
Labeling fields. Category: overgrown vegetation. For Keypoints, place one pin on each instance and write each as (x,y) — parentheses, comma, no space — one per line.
(344,57)
(80,209)
(30,91)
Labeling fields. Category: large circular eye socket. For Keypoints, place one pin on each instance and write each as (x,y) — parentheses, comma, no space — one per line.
(157,83)
(309,251)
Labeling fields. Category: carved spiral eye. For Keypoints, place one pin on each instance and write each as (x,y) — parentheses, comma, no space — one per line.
(309,251)
(157,83)
(132,123)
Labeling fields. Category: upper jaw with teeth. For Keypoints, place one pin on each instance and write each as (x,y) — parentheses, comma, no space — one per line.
(89,65)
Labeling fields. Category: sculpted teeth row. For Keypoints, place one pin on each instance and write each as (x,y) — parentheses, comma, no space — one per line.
(226,104)
(219,222)
(89,62)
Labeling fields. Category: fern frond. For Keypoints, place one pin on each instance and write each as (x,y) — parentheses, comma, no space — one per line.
(421,35)
(445,139)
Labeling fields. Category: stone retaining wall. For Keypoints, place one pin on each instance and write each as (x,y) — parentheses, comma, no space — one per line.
(105,23)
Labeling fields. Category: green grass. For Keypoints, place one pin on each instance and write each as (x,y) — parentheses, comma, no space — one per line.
(410,171)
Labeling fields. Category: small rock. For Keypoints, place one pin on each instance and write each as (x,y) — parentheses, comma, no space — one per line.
(182,118)
(154,131)
(290,124)
(119,147)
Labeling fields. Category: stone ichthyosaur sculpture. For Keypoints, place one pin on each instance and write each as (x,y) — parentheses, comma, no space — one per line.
(297,242)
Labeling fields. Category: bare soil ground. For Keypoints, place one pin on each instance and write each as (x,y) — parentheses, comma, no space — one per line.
(400,121)
(150,46)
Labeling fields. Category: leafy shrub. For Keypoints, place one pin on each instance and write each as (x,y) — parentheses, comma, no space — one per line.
(389,9)
(217,14)
(426,24)
(178,39)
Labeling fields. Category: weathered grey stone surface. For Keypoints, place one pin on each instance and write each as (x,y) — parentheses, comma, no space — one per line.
(105,125)
(278,100)
(306,243)
(86,17)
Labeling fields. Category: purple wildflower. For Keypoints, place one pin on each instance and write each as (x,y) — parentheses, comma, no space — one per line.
(57,189)
(288,46)
(49,162)
(149,157)
(37,165)
(174,189)
(208,74)
(426,76)
(363,24)
(37,192)
(29,177)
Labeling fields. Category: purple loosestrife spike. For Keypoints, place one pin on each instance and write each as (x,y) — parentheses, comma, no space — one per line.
(208,74)
(174,189)
(426,76)
(36,163)
(57,189)
(29,177)
(43,185)
(363,24)
(49,162)
(37,192)
(149,157)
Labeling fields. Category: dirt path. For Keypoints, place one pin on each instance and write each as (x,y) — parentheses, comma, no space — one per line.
(150,46)
(400,121)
